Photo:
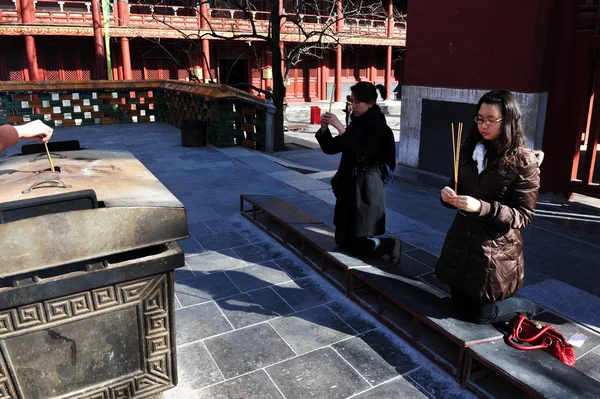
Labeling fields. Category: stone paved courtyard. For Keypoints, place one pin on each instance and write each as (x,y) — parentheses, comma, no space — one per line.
(253,321)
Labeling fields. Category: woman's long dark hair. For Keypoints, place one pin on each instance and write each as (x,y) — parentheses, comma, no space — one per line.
(511,136)
(366,92)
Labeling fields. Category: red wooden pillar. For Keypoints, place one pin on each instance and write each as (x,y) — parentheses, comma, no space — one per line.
(593,131)
(123,11)
(388,57)
(373,69)
(28,17)
(98,40)
(324,76)
(204,18)
(281,44)
(388,72)
(339,22)
(338,73)
(339,27)
(390,18)
(206,63)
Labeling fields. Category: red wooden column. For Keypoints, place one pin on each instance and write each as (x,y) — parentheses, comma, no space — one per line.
(98,41)
(123,10)
(206,63)
(388,72)
(388,57)
(28,17)
(338,73)
(324,76)
(339,26)
(204,23)
(281,44)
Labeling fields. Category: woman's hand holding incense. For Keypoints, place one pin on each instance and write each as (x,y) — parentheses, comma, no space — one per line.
(330,119)
(464,202)
(35,130)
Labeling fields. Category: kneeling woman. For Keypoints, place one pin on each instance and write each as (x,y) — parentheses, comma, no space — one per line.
(368,156)
(498,183)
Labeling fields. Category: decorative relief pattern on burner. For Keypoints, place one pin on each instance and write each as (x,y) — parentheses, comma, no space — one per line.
(150,295)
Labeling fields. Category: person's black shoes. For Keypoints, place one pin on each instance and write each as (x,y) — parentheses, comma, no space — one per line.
(395,254)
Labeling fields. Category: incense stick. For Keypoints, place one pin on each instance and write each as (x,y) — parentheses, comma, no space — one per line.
(332,94)
(49,157)
(456,152)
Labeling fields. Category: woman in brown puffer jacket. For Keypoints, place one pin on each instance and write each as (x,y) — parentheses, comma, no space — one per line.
(498,183)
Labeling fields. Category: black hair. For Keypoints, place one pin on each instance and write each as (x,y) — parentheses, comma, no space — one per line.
(511,137)
(366,92)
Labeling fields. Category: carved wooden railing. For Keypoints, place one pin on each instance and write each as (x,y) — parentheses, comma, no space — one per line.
(73,12)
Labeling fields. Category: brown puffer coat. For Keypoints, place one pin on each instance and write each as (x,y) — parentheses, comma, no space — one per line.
(483,253)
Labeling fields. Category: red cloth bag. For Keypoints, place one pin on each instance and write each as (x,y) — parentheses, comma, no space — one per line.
(547,339)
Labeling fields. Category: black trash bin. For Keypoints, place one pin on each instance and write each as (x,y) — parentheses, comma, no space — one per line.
(193,133)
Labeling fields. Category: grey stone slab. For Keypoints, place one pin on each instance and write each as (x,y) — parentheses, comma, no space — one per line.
(394,389)
(293,267)
(200,213)
(319,374)
(542,373)
(183,273)
(568,328)
(256,385)
(261,164)
(589,365)
(257,275)
(259,252)
(424,257)
(253,307)
(237,223)
(351,315)
(431,279)
(324,195)
(214,242)
(428,239)
(437,384)
(567,300)
(204,288)
(214,261)
(242,351)
(311,329)
(195,370)
(198,322)
(302,294)
(226,210)
(413,267)
(299,181)
(190,246)
(375,356)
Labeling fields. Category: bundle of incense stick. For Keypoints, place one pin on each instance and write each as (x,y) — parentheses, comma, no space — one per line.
(456,150)
(332,94)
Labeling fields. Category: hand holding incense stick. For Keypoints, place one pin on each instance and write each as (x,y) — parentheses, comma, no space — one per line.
(456,152)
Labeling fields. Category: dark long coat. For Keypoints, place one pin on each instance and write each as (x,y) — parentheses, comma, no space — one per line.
(483,253)
(367,144)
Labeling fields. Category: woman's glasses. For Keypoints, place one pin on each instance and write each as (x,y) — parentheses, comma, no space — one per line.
(481,121)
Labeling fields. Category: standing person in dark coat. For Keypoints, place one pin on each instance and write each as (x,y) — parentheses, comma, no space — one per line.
(368,156)
(498,183)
